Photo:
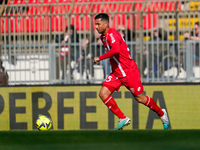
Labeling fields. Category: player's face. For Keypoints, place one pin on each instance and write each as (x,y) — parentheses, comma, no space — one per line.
(101,26)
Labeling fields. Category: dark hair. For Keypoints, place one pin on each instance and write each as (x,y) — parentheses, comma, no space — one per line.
(102,16)
(197,23)
(71,27)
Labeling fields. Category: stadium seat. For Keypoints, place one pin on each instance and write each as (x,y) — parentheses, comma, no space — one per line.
(1,25)
(34,24)
(13,24)
(80,18)
(57,23)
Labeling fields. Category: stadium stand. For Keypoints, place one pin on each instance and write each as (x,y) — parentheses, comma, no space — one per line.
(32,23)
(41,21)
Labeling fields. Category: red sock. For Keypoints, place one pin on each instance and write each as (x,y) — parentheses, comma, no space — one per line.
(153,106)
(112,105)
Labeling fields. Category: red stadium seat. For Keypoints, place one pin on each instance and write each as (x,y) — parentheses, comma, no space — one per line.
(31,24)
(13,25)
(16,2)
(80,18)
(37,23)
(122,19)
(57,23)
(151,19)
(2,25)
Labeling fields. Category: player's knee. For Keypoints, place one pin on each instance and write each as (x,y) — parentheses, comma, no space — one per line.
(103,95)
(141,99)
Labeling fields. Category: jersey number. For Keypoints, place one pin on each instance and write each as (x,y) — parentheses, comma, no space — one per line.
(109,78)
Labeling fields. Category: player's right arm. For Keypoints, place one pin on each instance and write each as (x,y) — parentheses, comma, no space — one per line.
(114,48)
(112,52)
(96,60)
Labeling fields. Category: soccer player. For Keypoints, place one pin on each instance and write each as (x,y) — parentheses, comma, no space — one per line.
(124,71)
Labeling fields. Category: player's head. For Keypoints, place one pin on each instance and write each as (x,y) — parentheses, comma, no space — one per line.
(102,23)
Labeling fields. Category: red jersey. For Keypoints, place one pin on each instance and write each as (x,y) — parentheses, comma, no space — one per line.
(118,52)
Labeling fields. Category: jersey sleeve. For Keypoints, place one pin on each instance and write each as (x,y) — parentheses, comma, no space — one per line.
(114,45)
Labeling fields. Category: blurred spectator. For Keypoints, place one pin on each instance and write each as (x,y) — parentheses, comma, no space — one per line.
(154,49)
(65,49)
(125,33)
(84,59)
(195,36)
(3,75)
(2,68)
(96,50)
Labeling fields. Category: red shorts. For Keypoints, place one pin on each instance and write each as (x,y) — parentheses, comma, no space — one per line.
(131,81)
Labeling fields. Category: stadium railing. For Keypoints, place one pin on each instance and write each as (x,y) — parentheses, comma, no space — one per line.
(31,55)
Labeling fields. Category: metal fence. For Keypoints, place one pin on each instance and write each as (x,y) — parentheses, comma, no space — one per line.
(37,48)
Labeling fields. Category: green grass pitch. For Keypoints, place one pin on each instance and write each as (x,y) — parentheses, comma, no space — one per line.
(101,140)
